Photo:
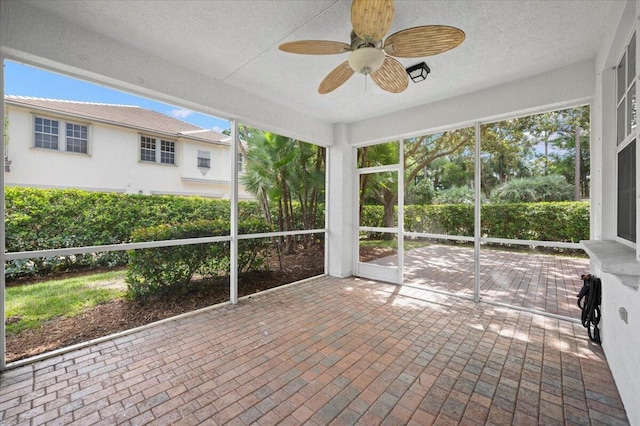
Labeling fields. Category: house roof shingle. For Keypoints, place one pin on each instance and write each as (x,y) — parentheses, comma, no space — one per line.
(123,115)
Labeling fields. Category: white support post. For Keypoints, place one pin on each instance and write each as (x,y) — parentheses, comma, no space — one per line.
(327,208)
(342,204)
(233,269)
(401,212)
(477,221)
(3,328)
(355,215)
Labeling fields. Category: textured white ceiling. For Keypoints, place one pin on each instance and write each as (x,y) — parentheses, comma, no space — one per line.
(237,42)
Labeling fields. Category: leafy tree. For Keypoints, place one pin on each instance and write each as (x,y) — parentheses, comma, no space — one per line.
(420,192)
(437,162)
(425,159)
(422,152)
(506,152)
(542,144)
(458,171)
(544,127)
(563,147)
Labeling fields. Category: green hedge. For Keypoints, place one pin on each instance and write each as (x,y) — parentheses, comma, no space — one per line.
(554,221)
(40,219)
(450,219)
(44,219)
(169,269)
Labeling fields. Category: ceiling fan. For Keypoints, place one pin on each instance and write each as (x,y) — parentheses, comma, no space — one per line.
(370,55)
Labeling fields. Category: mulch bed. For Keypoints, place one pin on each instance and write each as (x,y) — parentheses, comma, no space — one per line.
(123,314)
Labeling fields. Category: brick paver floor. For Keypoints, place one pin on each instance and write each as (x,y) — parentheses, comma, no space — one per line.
(525,279)
(327,351)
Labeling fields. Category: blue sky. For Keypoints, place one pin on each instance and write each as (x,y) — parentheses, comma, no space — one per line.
(24,80)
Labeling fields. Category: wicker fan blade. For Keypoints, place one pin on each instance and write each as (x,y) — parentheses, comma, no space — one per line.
(371,19)
(315,47)
(335,78)
(423,41)
(391,76)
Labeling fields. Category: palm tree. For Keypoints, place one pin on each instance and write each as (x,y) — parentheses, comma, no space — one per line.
(281,171)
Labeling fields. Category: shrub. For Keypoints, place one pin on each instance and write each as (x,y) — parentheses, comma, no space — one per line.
(252,253)
(535,189)
(456,195)
(156,271)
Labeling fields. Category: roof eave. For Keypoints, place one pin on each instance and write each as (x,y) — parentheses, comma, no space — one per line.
(141,129)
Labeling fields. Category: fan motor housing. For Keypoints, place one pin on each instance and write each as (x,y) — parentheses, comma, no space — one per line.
(357,42)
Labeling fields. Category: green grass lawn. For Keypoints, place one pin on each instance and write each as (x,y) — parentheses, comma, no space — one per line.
(36,303)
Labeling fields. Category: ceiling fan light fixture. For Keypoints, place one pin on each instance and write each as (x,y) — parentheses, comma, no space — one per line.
(418,72)
(373,54)
(366,60)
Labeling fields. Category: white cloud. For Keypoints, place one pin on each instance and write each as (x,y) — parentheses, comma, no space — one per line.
(218,129)
(180,113)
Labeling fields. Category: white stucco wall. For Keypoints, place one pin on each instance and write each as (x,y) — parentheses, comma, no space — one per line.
(112,163)
(219,170)
(620,340)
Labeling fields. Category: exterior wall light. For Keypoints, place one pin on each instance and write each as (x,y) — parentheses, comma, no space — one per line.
(418,72)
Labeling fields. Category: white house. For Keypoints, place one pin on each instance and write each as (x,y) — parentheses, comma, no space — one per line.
(518,58)
(115,148)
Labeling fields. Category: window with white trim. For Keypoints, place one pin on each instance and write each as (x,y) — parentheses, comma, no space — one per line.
(147,149)
(204,159)
(626,125)
(240,162)
(47,135)
(76,138)
(167,152)
(156,150)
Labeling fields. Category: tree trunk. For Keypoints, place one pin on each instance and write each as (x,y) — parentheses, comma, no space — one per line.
(576,176)
(363,192)
(389,216)
(288,248)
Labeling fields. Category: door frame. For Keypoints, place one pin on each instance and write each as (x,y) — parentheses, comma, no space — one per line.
(371,271)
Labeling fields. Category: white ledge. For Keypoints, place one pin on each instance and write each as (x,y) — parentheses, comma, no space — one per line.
(616,259)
